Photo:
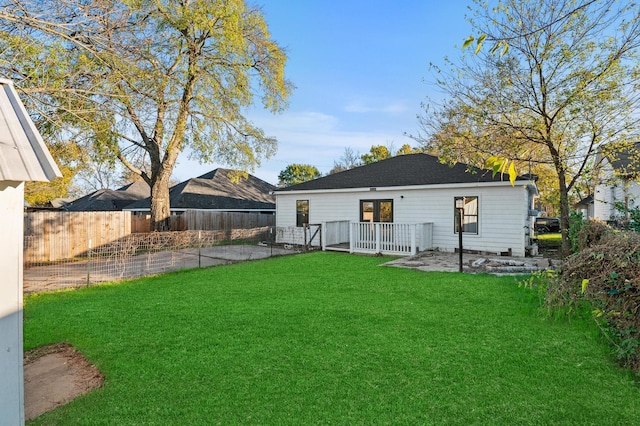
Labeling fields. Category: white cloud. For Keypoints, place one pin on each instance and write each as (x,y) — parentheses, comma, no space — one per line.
(292,121)
(303,137)
(362,107)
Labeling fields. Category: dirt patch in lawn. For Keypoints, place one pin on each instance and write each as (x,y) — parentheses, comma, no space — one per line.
(55,375)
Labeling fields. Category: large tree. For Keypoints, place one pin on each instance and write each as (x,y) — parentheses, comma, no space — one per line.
(565,86)
(147,78)
(298,173)
(375,154)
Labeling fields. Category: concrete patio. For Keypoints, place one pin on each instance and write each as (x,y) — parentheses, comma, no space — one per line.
(431,260)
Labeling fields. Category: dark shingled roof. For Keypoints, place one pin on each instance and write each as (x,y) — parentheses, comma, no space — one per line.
(624,160)
(585,201)
(216,191)
(110,199)
(403,170)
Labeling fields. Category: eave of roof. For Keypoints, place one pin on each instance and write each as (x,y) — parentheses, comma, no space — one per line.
(23,154)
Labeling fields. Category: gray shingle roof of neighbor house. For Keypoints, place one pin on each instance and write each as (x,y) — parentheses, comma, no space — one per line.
(215,191)
(402,170)
(110,199)
(23,153)
(625,160)
(585,201)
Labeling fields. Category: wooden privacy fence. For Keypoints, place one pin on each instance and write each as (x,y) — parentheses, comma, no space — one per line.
(202,220)
(52,236)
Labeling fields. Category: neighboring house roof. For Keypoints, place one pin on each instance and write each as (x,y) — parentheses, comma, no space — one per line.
(110,199)
(402,170)
(23,153)
(216,191)
(586,201)
(625,160)
(58,203)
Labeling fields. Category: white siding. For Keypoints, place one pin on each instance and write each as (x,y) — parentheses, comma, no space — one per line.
(611,191)
(603,194)
(11,382)
(23,157)
(634,194)
(502,210)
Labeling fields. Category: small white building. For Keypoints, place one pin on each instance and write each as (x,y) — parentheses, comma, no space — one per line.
(618,183)
(406,204)
(23,157)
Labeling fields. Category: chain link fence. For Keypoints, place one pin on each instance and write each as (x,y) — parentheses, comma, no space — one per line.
(139,255)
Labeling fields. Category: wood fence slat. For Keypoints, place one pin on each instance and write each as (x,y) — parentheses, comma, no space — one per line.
(53,236)
(63,235)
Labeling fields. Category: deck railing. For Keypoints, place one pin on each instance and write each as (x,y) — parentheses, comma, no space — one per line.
(379,237)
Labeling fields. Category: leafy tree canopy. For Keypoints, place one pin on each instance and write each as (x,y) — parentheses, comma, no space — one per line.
(375,154)
(565,86)
(297,173)
(351,159)
(146,78)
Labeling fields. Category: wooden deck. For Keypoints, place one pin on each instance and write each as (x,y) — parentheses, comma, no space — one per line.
(338,247)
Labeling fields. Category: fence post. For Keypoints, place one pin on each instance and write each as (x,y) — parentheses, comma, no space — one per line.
(413,239)
(351,225)
(304,228)
(89,264)
(199,249)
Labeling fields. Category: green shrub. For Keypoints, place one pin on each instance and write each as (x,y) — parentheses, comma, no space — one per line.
(604,275)
(629,217)
(591,233)
(575,225)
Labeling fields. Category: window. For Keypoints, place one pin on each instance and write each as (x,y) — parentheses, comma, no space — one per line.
(470,218)
(376,210)
(302,212)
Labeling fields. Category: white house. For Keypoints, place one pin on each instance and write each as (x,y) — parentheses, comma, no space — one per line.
(585,207)
(618,182)
(23,157)
(405,204)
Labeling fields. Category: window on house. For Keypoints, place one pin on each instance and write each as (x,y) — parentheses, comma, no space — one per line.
(470,217)
(376,210)
(302,212)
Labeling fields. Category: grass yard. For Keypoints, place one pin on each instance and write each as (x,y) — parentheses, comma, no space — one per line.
(328,338)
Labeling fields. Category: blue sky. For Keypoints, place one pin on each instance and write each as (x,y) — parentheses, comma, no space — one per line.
(361,70)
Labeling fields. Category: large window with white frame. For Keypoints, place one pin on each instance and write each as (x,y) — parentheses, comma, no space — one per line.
(302,212)
(470,216)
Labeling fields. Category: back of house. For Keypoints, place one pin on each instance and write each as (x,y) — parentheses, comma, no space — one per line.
(408,203)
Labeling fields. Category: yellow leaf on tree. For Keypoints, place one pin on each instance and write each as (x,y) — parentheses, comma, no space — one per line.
(512,174)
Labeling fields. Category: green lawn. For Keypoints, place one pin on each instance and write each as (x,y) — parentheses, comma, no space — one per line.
(328,338)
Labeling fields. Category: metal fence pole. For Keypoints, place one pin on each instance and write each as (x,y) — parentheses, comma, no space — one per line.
(89,264)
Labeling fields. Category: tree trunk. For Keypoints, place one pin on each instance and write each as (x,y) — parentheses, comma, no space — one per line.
(564,215)
(160,203)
